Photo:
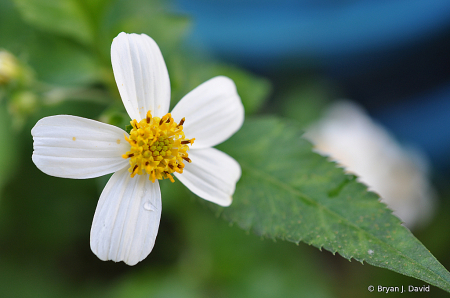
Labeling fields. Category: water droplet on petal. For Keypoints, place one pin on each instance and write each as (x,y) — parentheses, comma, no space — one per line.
(149,206)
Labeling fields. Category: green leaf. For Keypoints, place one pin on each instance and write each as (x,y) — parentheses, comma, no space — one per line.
(66,17)
(286,191)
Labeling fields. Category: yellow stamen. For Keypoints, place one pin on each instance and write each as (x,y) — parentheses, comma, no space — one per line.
(158,147)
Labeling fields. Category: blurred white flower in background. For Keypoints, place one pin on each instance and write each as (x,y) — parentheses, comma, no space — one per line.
(364,148)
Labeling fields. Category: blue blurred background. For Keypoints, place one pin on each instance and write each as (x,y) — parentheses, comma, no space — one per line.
(390,56)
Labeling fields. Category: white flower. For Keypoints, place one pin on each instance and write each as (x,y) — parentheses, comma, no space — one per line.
(366,149)
(127,216)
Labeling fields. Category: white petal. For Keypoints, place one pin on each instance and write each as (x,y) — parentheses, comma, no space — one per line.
(74,147)
(127,218)
(141,75)
(213,112)
(212,175)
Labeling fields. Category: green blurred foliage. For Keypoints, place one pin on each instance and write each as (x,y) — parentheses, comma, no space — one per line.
(70,16)
(304,102)
(9,148)
(63,47)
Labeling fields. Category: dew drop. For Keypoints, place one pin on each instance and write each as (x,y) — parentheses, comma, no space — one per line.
(149,206)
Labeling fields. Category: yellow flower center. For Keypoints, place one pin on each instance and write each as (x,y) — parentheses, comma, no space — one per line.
(158,147)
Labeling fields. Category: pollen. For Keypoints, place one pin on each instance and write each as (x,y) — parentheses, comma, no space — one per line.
(158,147)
